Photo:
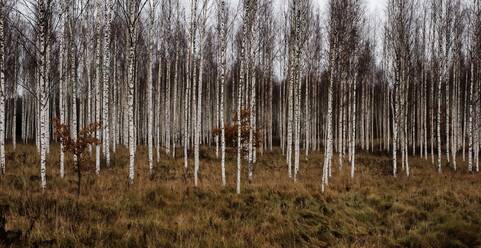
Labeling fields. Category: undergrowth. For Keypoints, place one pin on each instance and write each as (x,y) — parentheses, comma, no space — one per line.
(165,210)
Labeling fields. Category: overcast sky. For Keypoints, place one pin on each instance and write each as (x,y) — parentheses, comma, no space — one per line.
(375,7)
(375,12)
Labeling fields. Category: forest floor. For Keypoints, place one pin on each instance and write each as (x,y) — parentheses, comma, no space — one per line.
(375,209)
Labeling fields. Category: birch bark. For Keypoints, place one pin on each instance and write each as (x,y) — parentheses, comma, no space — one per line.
(130,88)
(106,87)
(223,33)
(245,27)
(97,82)
(150,112)
(2,87)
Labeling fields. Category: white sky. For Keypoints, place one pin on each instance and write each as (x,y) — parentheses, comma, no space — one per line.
(375,7)
(375,12)
(372,5)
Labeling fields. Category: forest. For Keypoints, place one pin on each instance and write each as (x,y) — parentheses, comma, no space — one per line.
(246,123)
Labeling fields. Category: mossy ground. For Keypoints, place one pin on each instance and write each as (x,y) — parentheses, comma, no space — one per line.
(374,209)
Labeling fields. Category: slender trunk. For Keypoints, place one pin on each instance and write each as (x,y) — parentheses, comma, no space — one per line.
(328,145)
(42,91)
(252,108)
(353,126)
(97,84)
(62,85)
(130,90)
(438,123)
(2,88)
(106,89)
(222,83)
(470,121)
(239,93)
(199,112)
(174,111)
(150,112)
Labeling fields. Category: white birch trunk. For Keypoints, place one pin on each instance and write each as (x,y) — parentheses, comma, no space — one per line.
(2,88)
(251,123)
(190,79)
(106,86)
(438,123)
(199,113)
(62,84)
(150,111)
(42,90)
(222,83)
(353,126)
(328,146)
(174,111)
(130,90)
(97,83)
(470,121)
(290,113)
(395,128)
(239,93)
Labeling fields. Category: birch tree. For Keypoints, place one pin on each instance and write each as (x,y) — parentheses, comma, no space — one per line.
(132,9)
(247,22)
(222,19)
(150,115)
(2,86)
(44,7)
(198,104)
(98,46)
(108,8)
(333,22)
(190,79)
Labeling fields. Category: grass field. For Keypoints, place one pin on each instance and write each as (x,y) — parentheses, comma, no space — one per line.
(165,210)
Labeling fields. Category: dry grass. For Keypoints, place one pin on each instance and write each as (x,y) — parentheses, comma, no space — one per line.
(373,210)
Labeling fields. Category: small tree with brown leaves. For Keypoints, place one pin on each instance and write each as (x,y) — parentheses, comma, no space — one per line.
(77,147)
(231,132)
